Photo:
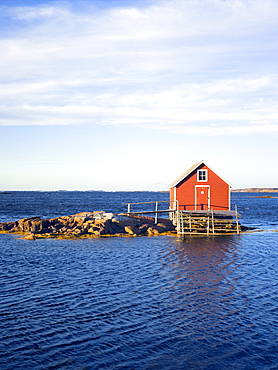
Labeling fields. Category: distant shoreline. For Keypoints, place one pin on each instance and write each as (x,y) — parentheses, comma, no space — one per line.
(244,190)
(256,190)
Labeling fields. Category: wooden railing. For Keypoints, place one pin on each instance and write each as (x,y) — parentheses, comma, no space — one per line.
(156,211)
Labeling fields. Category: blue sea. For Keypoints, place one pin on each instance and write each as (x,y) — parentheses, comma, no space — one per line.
(159,302)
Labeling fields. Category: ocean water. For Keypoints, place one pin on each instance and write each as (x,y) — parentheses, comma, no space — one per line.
(160,302)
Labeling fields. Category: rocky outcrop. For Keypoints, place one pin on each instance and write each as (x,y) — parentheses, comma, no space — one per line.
(87,224)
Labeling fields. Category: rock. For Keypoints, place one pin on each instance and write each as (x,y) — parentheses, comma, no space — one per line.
(155,230)
(102,231)
(39,226)
(92,230)
(8,226)
(80,219)
(108,216)
(76,231)
(129,221)
(83,215)
(151,231)
(30,237)
(64,229)
(99,231)
(87,223)
(113,227)
(144,228)
(65,220)
(98,215)
(33,224)
(132,230)
(166,224)
(160,228)
(25,224)
(54,221)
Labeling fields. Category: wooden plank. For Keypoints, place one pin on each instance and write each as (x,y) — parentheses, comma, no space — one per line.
(206,223)
(159,201)
(216,213)
(144,212)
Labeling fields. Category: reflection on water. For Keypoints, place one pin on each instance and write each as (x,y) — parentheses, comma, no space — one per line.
(213,311)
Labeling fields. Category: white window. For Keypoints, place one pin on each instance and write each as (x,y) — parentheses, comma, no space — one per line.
(202,175)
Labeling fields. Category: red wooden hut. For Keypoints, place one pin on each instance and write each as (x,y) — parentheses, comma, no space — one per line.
(200,188)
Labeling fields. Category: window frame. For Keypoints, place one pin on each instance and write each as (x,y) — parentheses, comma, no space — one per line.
(199,175)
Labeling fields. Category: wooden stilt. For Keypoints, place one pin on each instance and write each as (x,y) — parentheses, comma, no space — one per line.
(237,224)
(182,224)
(212,222)
(156,209)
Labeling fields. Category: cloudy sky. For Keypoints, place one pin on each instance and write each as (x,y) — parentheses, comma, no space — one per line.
(126,95)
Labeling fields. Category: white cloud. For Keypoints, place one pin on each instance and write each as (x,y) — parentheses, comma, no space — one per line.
(191,67)
(31,13)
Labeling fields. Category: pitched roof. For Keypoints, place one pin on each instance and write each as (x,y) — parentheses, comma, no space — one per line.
(189,171)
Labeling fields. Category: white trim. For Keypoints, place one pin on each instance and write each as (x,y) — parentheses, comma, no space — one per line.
(203,170)
(229,197)
(173,201)
(202,186)
(193,168)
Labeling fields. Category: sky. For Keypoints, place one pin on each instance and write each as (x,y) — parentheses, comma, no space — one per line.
(127,95)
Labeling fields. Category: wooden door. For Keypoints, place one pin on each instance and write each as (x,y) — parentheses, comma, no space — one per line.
(202,198)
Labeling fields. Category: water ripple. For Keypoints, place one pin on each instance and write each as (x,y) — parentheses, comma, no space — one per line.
(142,303)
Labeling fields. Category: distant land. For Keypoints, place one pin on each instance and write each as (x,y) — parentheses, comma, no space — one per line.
(256,190)
(244,190)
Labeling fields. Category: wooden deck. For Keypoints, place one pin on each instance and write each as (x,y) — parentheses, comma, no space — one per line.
(204,222)
(218,213)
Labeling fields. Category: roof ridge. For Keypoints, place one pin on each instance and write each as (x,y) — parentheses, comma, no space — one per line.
(190,170)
